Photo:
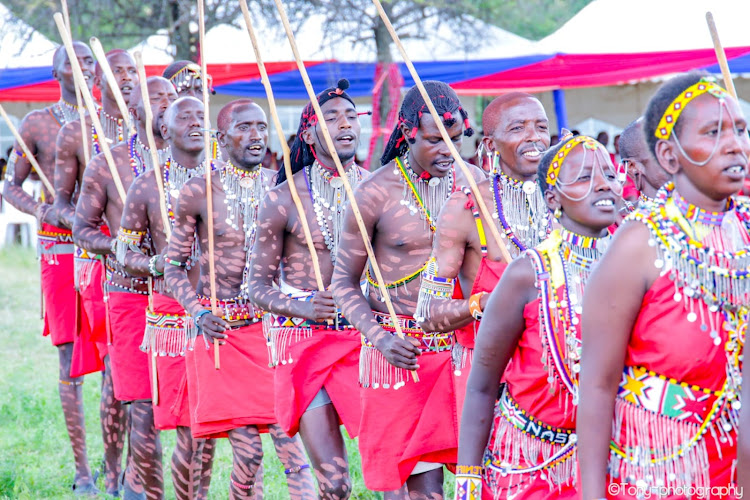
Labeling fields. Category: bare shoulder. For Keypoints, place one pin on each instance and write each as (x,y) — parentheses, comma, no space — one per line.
(520,278)
(475,172)
(631,243)
(364,173)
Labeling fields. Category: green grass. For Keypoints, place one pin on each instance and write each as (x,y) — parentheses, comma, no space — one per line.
(35,456)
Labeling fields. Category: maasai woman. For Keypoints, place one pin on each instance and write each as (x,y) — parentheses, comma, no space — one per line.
(530,338)
(663,341)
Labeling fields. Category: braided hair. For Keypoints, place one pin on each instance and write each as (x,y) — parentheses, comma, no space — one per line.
(446,103)
(301,153)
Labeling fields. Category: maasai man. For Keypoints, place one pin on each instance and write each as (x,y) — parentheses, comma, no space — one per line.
(90,347)
(405,435)
(525,448)
(142,242)
(223,404)
(39,131)
(100,202)
(641,165)
(516,135)
(663,342)
(314,349)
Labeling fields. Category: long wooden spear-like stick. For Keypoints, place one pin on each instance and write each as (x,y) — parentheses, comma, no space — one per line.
(342,175)
(90,104)
(721,55)
(27,151)
(209,193)
(284,147)
(98,50)
(444,134)
(79,90)
(152,143)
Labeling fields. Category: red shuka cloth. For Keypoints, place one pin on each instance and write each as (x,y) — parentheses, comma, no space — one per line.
(665,342)
(173,410)
(58,290)
(328,359)
(237,395)
(404,426)
(126,322)
(89,346)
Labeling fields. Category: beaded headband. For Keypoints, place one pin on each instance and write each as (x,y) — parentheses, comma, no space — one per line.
(675,108)
(183,79)
(554,167)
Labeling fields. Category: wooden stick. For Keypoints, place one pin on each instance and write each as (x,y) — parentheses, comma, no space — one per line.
(27,152)
(342,175)
(152,143)
(79,92)
(721,55)
(444,134)
(284,147)
(96,47)
(90,104)
(208,160)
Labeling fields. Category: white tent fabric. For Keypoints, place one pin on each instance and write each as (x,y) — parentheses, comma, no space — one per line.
(615,26)
(229,44)
(20,45)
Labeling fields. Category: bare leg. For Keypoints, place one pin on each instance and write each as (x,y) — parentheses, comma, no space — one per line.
(292,455)
(146,449)
(258,486)
(400,494)
(71,398)
(319,429)
(112,414)
(247,451)
(186,464)
(207,461)
(426,486)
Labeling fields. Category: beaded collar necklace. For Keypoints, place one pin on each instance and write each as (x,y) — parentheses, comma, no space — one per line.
(329,200)
(114,131)
(428,192)
(521,210)
(140,156)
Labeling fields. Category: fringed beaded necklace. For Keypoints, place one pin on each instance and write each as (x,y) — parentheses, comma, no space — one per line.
(114,131)
(521,210)
(175,177)
(424,193)
(65,112)
(329,200)
(243,192)
(140,156)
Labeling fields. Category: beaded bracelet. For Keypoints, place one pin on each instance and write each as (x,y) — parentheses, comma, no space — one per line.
(475,307)
(152,266)
(468,482)
(197,317)
(293,470)
(175,263)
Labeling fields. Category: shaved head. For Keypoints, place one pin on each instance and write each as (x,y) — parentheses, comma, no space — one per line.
(224,120)
(61,55)
(491,115)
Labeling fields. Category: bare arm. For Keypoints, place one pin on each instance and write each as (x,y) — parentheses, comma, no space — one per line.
(743,443)
(89,214)
(66,171)
(350,264)
(31,129)
(135,219)
(268,250)
(448,251)
(606,325)
(497,340)
(186,216)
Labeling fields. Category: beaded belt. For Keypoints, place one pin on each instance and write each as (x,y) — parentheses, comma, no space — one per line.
(167,334)
(517,417)
(54,242)
(82,254)
(119,281)
(665,396)
(235,310)
(340,323)
(429,342)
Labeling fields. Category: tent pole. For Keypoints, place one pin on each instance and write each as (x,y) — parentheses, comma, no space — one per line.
(560,109)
